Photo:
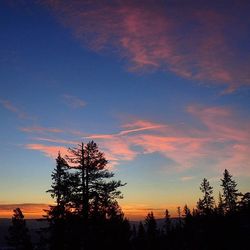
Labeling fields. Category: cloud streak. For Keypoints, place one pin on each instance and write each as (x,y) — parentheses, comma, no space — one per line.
(14,109)
(73,101)
(191,40)
(50,151)
(219,136)
(37,129)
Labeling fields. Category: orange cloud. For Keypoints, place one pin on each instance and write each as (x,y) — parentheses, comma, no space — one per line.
(192,40)
(30,210)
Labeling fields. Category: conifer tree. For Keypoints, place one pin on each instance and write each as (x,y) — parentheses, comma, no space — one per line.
(60,188)
(230,192)
(151,231)
(167,222)
(95,193)
(18,232)
(61,192)
(187,212)
(141,231)
(206,204)
(151,226)
(220,207)
(140,242)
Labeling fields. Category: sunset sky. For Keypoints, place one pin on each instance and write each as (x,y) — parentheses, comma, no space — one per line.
(162,86)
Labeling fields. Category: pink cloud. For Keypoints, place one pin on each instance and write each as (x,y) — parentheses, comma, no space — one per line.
(12,108)
(192,40)
(222,123)
(221,136)
(50,151)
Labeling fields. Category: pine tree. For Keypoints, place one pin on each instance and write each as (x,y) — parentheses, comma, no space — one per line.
(61,186)
(95,193)
(206,204)
(141,231)
(245,201)
(140,242)
(151,230)
(61,191)
(167,222)
(230,193)
(95,198)
(220,207)
(187,212)
(179,216)
(151,226)
(18,232)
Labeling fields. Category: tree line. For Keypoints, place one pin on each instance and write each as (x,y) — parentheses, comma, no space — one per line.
(86,214)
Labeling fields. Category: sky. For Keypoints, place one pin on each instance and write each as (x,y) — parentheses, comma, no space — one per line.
(163,87)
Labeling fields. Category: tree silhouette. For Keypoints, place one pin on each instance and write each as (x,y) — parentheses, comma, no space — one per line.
(61,191)
(186,211)
(220,207)
(18,232)
(230,193)
(206,204)
(95,194)
(151,230)
(61,185)
(167,222)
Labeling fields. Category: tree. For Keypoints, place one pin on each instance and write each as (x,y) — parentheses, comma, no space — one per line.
(95,197)
(187,212)
(230,193)
(18,232)
(61,185)
(140,241)
(167,222)
(95,194)
(151,230)
(61,190)
(141,231)
(220,207)
(245,201)
(206,204)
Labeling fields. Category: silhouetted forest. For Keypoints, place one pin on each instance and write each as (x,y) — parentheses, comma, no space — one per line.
(86,214)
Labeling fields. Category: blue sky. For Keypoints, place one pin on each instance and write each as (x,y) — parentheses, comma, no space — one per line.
(162,88)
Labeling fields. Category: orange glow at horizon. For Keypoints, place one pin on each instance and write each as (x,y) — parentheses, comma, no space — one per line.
(131,212)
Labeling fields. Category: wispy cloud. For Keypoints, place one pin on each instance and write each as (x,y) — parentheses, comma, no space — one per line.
(37,129)
(219,136)
(222,137)
(14,109)
(73,101)
(192,40)
(187,178)
(50,151)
